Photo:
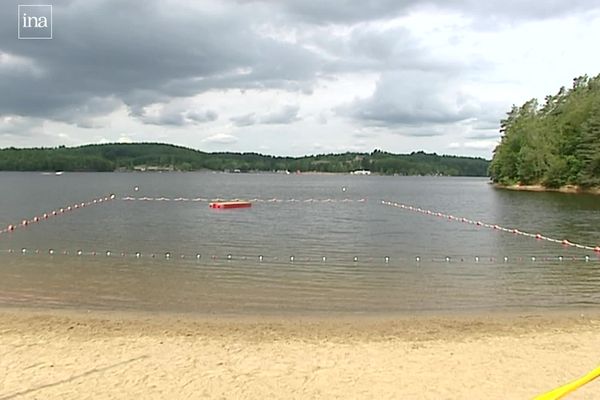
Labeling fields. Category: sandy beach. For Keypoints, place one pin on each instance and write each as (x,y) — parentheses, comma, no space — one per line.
(78,355)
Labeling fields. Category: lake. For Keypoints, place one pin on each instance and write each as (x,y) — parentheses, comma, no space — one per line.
(309,245)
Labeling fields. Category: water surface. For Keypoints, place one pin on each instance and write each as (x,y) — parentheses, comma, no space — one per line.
(370,250)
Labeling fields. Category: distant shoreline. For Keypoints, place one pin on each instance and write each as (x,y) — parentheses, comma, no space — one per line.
(573,189)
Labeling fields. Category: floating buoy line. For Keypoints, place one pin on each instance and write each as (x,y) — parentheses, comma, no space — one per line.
(236,202)
(256,200)
(496,227)
(300,259)
(57,212)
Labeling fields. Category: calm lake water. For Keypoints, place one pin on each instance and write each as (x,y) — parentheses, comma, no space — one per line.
(348,226)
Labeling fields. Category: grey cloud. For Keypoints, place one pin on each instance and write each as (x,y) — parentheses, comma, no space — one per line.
(202,116)
(354,11)
(244,120)
(285,115)
(422,132)
(345,11)
(142,55)
(15,125)
(413,98)
(482,135)
(175,115)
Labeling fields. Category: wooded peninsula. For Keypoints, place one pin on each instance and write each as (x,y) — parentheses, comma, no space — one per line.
(161,157)
(555,144)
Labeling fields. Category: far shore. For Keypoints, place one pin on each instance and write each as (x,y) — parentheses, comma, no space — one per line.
(105,355)
(540,188)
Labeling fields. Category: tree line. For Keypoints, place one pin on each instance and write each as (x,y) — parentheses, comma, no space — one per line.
(552,144)
(126,157)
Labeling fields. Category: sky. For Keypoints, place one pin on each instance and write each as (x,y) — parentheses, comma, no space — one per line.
(289,77)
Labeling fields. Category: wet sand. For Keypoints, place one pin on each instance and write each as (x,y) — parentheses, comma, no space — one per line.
(78,355)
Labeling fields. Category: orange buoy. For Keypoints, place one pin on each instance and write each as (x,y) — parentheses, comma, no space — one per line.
(230,204)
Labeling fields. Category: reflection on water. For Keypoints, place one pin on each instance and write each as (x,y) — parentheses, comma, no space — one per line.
(355,237)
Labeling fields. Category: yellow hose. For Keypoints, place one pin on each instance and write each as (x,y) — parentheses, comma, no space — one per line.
(558,393)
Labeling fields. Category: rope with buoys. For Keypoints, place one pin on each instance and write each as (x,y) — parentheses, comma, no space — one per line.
(299,258)
(496,227)
(256,200)
(57,212)
(562,391)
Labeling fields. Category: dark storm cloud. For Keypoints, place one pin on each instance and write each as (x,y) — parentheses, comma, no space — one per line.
(353,11)
(107,54)
(139,55)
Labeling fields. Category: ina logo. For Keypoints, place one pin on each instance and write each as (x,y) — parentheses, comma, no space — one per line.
(34,21)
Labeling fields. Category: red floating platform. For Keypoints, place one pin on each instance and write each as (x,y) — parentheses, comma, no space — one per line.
(230,204)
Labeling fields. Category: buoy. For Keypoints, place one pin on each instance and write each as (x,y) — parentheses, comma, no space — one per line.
(597,249)
(230,204)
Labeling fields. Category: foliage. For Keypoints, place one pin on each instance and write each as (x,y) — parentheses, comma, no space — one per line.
(125,157)
(555,144)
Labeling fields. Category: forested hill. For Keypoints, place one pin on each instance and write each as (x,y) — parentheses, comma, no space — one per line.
(149,156)
(553,144)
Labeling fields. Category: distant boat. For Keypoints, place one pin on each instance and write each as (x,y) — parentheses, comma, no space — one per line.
(59,173)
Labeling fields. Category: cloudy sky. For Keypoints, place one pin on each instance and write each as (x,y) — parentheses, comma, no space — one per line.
(289,77)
